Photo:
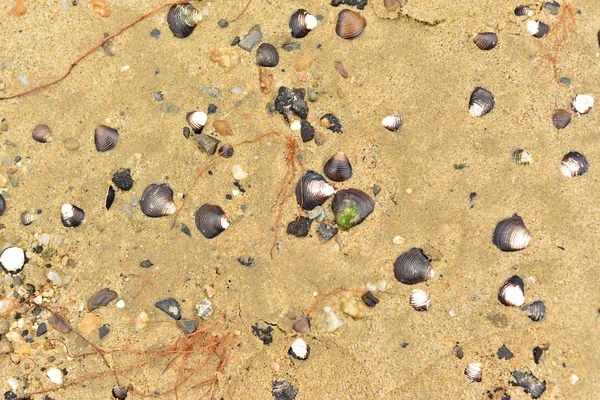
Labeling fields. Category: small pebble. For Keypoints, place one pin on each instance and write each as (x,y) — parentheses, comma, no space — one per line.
(299,227)
(103,331)
(573,379)
(253,38)
(55,375)
(312,95)
(101,299)
(146,264)
(212,109)
(158,96)
(222,23)
(246,261)
(291,46)
(204,308)
(399,240)
(41,329)
(238,172)
(504,353)
(326,232)
(264,334)
(209,91)
(369,299)
(171,307)
(206,143)
(237,90)
(121,303)
(565,81)
(124,68)
(71,144)
(186,132)
(155,33)
(188,326)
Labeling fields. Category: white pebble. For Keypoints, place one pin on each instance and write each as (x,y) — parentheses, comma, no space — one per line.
(55,375)
(239,172)
(235,192)
(14,383)
(296,125)
(382,286)
(237,90)
(55,278)
(23,80)
(573,379)
(452,313)
(45,239)
(124,68)
(121,303)
(371,287)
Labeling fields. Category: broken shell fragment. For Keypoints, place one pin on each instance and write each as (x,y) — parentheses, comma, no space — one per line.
(71,216)
(196,120)
(211,220)
(226,150)
(412,267)
(27,218)
(486,40)
(522,157)
(392,122)
(110,197)
(312,190)
(523,11)
(299,349)
(511,234)
(2,204)
(301,23)
(302,325)
(12,260)
(283,390)
(105,138)
(182,19)
(537,28)
(157,200)
(473,372)
(536,311)
(561,118)
(574,164)
(350,24)
(419,300)
(392,5)
(351,207)
(42,133)
(338,168)
(512,293)
(266,55)
(481,102)
(582,103)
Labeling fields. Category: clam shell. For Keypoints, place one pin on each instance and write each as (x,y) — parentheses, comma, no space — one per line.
(412,267)
(211,220)
(196,120)
(536,311)
(119,392)
(481,102)
(392,5)
(226,151)
(574,164)
(301,23)
(182,19)
(266,55)
(157,200)
(522,157)
(27,218)
(512,293)
(392,122)
(523,11)
(302,325)
(13,260)
(511,234)
(351,207)
(2,204)
(312,190)
(299,350)
(71,216)
(419,300)
(283,390)
(338,168)
(561,118)
(582,103)
(486,40)
(473,372)
(110,197)
(105,138)
(42,133)
(350,24)
(537,28)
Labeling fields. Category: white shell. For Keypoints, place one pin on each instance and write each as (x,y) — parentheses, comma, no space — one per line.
(197,120)
(392,122)
(299,349)
(55,375)
(473,372)
(13,259)
(419,300)
(583,103)
(514,296)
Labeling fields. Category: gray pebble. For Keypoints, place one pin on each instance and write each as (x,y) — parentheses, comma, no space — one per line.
(565,81)
(146,264)
(155,33)
(237,90)
(5,159)
(103,331)
(376,190)
(552,7)
(207,144)
(253,38)
(210,91)
(291,46)
(326,232)
(14,180)
(204,308)
(71,144)
(188,326)
(171,307)
(158,96)
(169,108)
(101,298)
(312,95)
(222,23)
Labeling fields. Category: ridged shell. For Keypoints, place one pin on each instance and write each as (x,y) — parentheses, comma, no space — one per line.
(157,200)
(582,103)
(392,5)
(211,220)
(27,218)
(522,157)
(350,24)
(338,168)
(312,190)
(119,392)
(536,311)
(351,207)
(110,197)
(2,204)
(392,122)
(266,55)
(196,120)
(481,102)
(42,133)
(473,372)
(512,293)
(574,164)
(486,40)
(226,150)
(105,138)
(561,118)
(182,19)
(537,28)
(302,325)
(283,390)
(412,267)
(13,259)
(301,23)
(523,11)
(419,300)
(511,234)
(71,216)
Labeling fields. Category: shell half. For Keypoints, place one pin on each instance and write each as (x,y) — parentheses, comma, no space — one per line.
(481,102)
(182,19)
(312,190)
(351,207)
(511,234)
(512,293)
(338,168)
(412,267)
(486,40)
(157,200)
(105,138)
(350,24)
(211,220)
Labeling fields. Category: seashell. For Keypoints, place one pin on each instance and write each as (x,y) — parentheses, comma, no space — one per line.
(196,120)
(119,392)
(419,300)
(392,122)
(2,204)
(412,267)
(110,197)
(226,150)
(512,292)
(473,372)
(536,311)
(71,216)
(182,19)
(8,305)
(41,133)
(486,40)
(392,5)
(338,167)
(511,234)
(351,207)
(302,325)
(301,23)
(537,28)
(157,200)
(211,220)
(561,118)
(481,102)
(523,11)
(299,349)
(582,103)
(12,260)
(522,157)
(283,390)
(27,218)
(266,55)
(350,24)
(574,164)
(312,190)
(105,138)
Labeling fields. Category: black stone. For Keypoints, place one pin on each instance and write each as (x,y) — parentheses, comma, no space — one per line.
(326,232)
(370,299)
(122,179)
(103,331)
(222,23)
(235,41)
(458,351)
(299,227)
(404,344)
(171,307)
(504,353)
(239,186)
(146,264)
(460,166)
(212,109)
(38,249)
(529,383)
(2,204)
(307,132)
(9,395)
(185,230)
(41,329)
(537,353)
(291,101)
(246,261)
(333,123)
(155,33)
(264,334)
(186,132)
(360,4)
(188,326)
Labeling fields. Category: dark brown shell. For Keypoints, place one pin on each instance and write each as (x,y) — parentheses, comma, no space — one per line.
(338,168)
(226,150)
(511,234)
(512,293)
(351,207)
(412,267)
(182,19)
(301,23)
(523,11)
(119,392)
(574,164)
(486,40)
(350,24)
(537,28)
(71,216)
(481,102)
(312,190)
(266,55)
(157,200)
(211,220)
(42,133)
(105,138)
(561,118)
(536,311)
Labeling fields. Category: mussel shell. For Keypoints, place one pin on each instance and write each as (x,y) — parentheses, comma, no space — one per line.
(110,197)
(196,120)
(283,390)
(266,55)
(512,293)
(157,200)
(301,23)
(312,190)
(561,118)
(119,392)
(350,24)
(511,234)
(537,28)
(27,218)
(523,11)
(486,40)
(419,300)
(473,372)
(302,325)
(481,102)
(392,122)
(536,311)
(521,157)
(42,133)
(412,267)
(105,138)
(211,220)
(338,167)
(71,216)
(2,205)
(182,19)
(351,207)
(574,164)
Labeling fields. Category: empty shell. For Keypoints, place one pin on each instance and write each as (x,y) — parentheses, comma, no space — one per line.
(511,234)
(13,260)
(412,267)
(157,200)
(473,372)
(211,220)
(226,150)
(392,5)
(486,40)
(299,349)
(110,197)
(392,122)
(523,11)
(582,103)
(266,55)
(522,157)
(512,293)
(2,204)
(574,164)
(196,120)
(537,28)
(536,311)
(350,24)
(105,138)
(481,102)
(42,133)
(71,216)
(27,218)
(302,325)
(561,118)
(301,23)
(351,207)
(338,167)
(419,300)
(119,392)
(182,19)
(283,390)
(312,190)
